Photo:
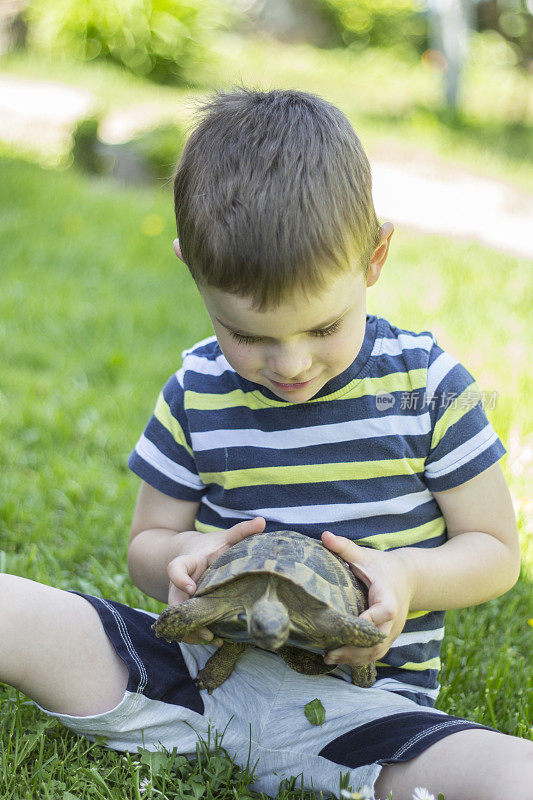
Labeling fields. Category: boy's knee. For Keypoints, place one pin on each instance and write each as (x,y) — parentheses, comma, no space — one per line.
(18,594)
(487,764)
(11,593)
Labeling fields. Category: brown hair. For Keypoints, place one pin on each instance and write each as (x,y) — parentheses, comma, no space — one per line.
(273,196)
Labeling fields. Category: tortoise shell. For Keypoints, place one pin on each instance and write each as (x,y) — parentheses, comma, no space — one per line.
(304,563)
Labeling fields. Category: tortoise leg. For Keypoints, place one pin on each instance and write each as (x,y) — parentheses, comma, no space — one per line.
(348,630)
(304,661)
(176,622)
(219,667)
(351,631)
(308,663)
(364,675)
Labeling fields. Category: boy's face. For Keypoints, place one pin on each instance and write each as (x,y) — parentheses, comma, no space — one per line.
(298,347)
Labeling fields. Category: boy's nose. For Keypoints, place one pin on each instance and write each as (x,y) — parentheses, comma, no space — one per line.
(293,371)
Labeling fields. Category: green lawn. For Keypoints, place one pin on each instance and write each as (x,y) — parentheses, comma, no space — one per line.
(94,313)
(393,99)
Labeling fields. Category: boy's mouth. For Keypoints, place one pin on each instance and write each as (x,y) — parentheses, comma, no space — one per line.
(288,386)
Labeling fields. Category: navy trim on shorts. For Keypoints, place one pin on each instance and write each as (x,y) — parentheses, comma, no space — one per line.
(156,668)
(395,738)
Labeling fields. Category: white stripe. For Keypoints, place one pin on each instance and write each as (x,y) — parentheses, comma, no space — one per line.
(452,723)
(124,633)
(201,343)
(404,341)
(418,637)
(438,371)
(176,472)
(180,375)
(148,613)
(207,366)
(462,454)
(311,436)
(328,513)
(397,686)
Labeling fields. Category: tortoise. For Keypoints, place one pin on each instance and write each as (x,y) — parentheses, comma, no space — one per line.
(280,591)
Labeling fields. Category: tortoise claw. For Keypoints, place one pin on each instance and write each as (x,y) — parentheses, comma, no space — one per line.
(201,685)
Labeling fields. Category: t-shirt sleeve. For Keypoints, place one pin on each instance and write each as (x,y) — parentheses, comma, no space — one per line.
(463,442)
(163,455)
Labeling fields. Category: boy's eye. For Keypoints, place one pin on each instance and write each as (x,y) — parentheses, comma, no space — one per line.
(323,332)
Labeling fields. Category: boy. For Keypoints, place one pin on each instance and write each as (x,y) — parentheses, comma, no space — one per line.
(302,412)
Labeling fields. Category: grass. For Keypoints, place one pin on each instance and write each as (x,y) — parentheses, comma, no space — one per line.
(94,312)
(393,98)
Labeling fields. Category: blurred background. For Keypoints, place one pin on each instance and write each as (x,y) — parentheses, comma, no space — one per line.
(96,101)
(439,72)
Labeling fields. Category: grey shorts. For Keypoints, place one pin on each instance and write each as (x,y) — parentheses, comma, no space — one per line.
(260,708)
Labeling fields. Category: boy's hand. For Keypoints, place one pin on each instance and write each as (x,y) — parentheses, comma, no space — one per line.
(389,594)
(196,552)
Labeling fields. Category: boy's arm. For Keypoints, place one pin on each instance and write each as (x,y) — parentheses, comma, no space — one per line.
(480,561)
(166,555)
(156,536)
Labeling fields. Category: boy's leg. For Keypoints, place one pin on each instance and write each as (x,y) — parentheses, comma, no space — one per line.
(365,727)
(54,649)
(467,765)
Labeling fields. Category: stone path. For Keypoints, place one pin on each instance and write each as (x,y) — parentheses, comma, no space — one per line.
(417,191)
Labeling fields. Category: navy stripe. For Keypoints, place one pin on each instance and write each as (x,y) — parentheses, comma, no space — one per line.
(425,679)
(161,482)
(173,395)
(156,668)
(392,739)
(165,442)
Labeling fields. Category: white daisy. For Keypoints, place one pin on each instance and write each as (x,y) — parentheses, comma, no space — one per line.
(366,793)
(421,793)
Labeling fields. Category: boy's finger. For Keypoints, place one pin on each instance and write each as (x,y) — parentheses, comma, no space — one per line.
(344,547)
(350,552)
(180,570)
(202,636)
(349,655)
(243,529)
(381,615)
(176,596)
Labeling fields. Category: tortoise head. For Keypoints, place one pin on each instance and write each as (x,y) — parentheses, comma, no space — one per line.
(268,623)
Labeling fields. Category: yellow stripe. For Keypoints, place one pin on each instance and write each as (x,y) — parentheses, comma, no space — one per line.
(456,410)
(313,473)
(409,536)
(394,382)
(203,401)
(416,666)
(163,414)
(417,614)
(203,527)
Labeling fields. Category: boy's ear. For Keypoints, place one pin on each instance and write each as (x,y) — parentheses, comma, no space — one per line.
(176,244)
(380,253)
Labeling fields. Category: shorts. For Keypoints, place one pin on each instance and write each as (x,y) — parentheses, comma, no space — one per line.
(260,709)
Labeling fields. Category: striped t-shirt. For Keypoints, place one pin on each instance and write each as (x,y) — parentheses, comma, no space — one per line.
(361,458)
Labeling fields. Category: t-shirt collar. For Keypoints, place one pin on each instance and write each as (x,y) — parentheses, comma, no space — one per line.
(339,381)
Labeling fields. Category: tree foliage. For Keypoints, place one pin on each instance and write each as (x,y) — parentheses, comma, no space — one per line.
(379,23)
(165,40)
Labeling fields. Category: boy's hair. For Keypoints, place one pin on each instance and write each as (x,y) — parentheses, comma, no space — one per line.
(273,195)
